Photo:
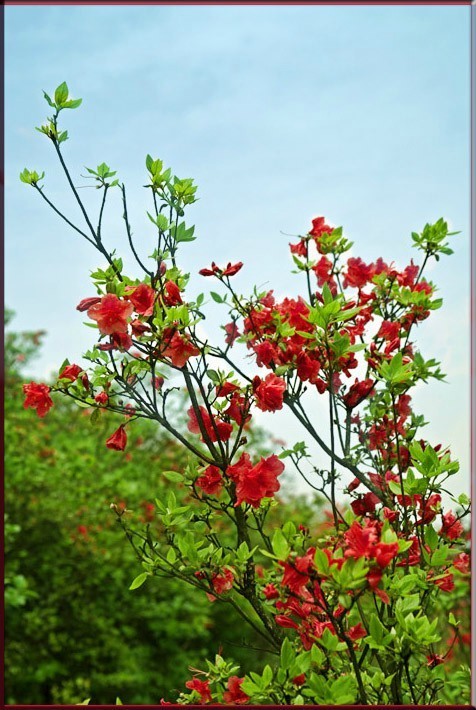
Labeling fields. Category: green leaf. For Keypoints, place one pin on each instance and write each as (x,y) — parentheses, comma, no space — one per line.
(72,103)
(173,476)
(321,561)
(431,537)
(139,581)
(61,94)
(280,545)
(267,676)
(50,102)
(287,655)
(439,556)
(216,297)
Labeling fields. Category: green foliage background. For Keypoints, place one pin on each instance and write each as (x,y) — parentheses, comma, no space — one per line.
(73,628)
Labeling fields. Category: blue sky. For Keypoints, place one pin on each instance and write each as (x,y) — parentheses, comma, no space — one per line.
(279,113)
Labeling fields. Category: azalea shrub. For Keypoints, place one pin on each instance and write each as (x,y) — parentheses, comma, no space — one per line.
(371,608)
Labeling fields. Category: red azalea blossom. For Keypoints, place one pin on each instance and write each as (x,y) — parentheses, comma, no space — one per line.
(234,695)
(358,392)
(358,273)
(102,398)
(285,622)
(365,504)
(299,679)
(229,270)
(323,271)
(389,330)
(210,481)
(300,249)
(138,328)
(223,581)
(384,553)
(360,540)
(446,583)
(201,687)
(121,341)
(319,227)
(179,350)
(257,482)
(356,632)
(142,298)
(86,303)
(226,388)
(111,314)
(461,562)
(158,381)
(452,527)
(270,592)
(232,333)
(269,392)
(215,428)
(434,660)
(70,372)
(118,440)
(37,396)
(171,294)
(238,410)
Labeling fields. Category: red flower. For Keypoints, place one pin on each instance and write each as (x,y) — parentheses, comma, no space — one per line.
(356,632)
(365,504)
(384,553)
(307,368)
(226,388)
(172,295)
(299,679)
(446,583)
(232,333)
(266,353)
(389,330)
(269,392)
(285,622)
(300,249)
(121,341)
(232,269)
(118,440)
(214,428)
(270,591)
(179,350)
(111,314)
(86,303)
(234,695)
(210,481)
(358,392)
(139,328)
(70,372)
(142,297)
(238,410)
(223,581)
(201,687)
(102,398)
(229,270)
(358,273)
(319,227)
(37,397)
(452,527)
(323,270)
(359,540)
(461,562)
(158,381)
(259,481)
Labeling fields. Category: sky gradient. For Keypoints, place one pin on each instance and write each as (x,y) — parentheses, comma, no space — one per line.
(280,114)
